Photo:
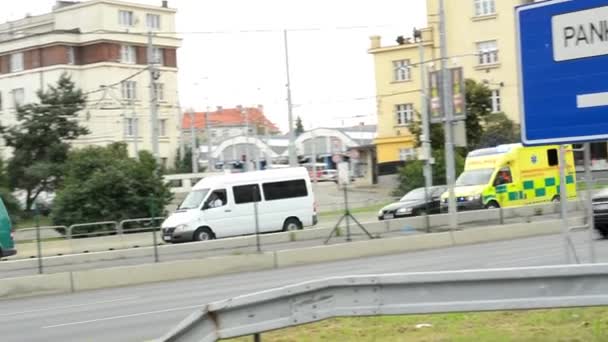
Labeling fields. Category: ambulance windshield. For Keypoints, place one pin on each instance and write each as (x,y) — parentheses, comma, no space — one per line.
(474,177)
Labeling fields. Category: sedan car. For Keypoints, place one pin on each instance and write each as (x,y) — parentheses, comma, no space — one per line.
(600,212)
(414,204)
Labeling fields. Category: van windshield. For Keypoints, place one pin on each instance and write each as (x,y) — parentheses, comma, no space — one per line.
(194,199)
(474,177)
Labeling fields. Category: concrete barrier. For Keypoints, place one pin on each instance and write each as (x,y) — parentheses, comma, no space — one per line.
(175,270)
(44,284)
(359,249)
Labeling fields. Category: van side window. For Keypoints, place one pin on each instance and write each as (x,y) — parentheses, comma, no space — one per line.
(503,177)
(283,190)
(246,193)
(217,199)
(552,157)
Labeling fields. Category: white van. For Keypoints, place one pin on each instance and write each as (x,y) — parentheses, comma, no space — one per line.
(223,205)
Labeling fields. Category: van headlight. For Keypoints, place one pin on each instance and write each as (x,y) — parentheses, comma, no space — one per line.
(474,198)
(181,228)
(381,212)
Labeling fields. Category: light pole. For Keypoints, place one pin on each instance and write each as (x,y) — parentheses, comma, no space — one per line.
(292,144)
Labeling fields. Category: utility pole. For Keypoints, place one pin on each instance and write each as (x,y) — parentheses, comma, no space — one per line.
(209,143)
(448,111)
(154,75)
(135,123)
(292,140)
(193,148)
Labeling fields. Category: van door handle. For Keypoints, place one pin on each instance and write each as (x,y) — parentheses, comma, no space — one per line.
(228,210)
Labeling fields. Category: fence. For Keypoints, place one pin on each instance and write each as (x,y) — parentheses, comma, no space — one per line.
(396,294)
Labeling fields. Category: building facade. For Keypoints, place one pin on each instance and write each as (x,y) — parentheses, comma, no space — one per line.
(102,46)
(480,37)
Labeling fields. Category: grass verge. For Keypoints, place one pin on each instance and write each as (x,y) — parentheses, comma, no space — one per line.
(31,222)
(579,324)
(368,209)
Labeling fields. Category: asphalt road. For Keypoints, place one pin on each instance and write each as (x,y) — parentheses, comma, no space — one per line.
(166,253)
(145,312)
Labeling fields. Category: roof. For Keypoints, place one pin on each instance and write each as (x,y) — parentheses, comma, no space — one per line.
(253,176)
(230,117)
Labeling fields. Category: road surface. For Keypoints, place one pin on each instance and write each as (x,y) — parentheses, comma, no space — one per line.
(145,312)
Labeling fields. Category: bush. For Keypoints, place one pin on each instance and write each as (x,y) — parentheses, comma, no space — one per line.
(104,184)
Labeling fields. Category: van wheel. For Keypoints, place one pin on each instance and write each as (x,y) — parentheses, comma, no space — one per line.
(292,224)
(203,234)
(492,205)
(555,199)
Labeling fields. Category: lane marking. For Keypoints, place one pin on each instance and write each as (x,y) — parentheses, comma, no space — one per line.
(592,100)
(69,306)
(200,306)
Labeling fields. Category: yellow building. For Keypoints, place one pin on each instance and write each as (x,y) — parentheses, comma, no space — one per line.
(480,39)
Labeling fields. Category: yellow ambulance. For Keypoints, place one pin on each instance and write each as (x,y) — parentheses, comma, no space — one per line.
(511,175)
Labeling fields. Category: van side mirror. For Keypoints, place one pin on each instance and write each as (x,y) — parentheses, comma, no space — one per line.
(206,206)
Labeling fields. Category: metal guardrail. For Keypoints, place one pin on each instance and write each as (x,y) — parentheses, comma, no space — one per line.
(397,294)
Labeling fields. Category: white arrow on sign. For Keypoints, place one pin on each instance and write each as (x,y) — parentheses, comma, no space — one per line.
(592,100)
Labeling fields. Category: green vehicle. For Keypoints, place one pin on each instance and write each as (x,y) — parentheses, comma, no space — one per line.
(7,244)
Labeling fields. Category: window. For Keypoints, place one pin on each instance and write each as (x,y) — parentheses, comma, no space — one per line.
(503,177)
(157,56)
(159,91)
(162,127)
(401,70)
(496,105)
(217,199)
(283,190)
(18,97)
(488,52)
(407,154)
(552,157)
(405,113)
(128,54)
(71,57)
(16,62)
(125,18)
(1,105)
(129,90)
(246,194)
(484,7)
(153,21)
(131,127)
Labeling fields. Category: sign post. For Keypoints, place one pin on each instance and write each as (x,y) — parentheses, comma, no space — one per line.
(562,56)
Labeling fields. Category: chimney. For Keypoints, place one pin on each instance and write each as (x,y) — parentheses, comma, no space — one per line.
(375,42)
(219,109)
(165,4)
(261,108)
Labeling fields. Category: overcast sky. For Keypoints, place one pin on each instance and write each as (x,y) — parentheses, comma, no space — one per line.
(332,76)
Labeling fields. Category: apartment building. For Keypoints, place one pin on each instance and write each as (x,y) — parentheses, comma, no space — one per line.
(102,45)
(480,39)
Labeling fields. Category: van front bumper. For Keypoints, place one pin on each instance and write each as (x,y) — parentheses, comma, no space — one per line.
(8,252)
(169,235)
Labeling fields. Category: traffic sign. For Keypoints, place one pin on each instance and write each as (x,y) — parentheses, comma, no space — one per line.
(563,54)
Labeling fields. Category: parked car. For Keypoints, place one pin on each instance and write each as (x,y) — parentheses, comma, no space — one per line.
(600,212)
(328,175)
(414,204)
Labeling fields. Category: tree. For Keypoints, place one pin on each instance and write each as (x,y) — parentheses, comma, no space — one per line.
(299,126)
(104,183)
(411,176)
(478,106)
(499,129)
(182,165)
(40,139)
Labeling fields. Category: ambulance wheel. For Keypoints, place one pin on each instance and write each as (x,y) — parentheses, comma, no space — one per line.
(492,205)
(555,199)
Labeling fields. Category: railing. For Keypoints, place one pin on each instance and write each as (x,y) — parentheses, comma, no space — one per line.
(396,294)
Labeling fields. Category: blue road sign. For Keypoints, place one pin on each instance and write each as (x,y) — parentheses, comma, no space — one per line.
(563,71)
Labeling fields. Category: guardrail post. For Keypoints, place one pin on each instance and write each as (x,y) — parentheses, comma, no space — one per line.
(38,242)
(501,214)
(257,337)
